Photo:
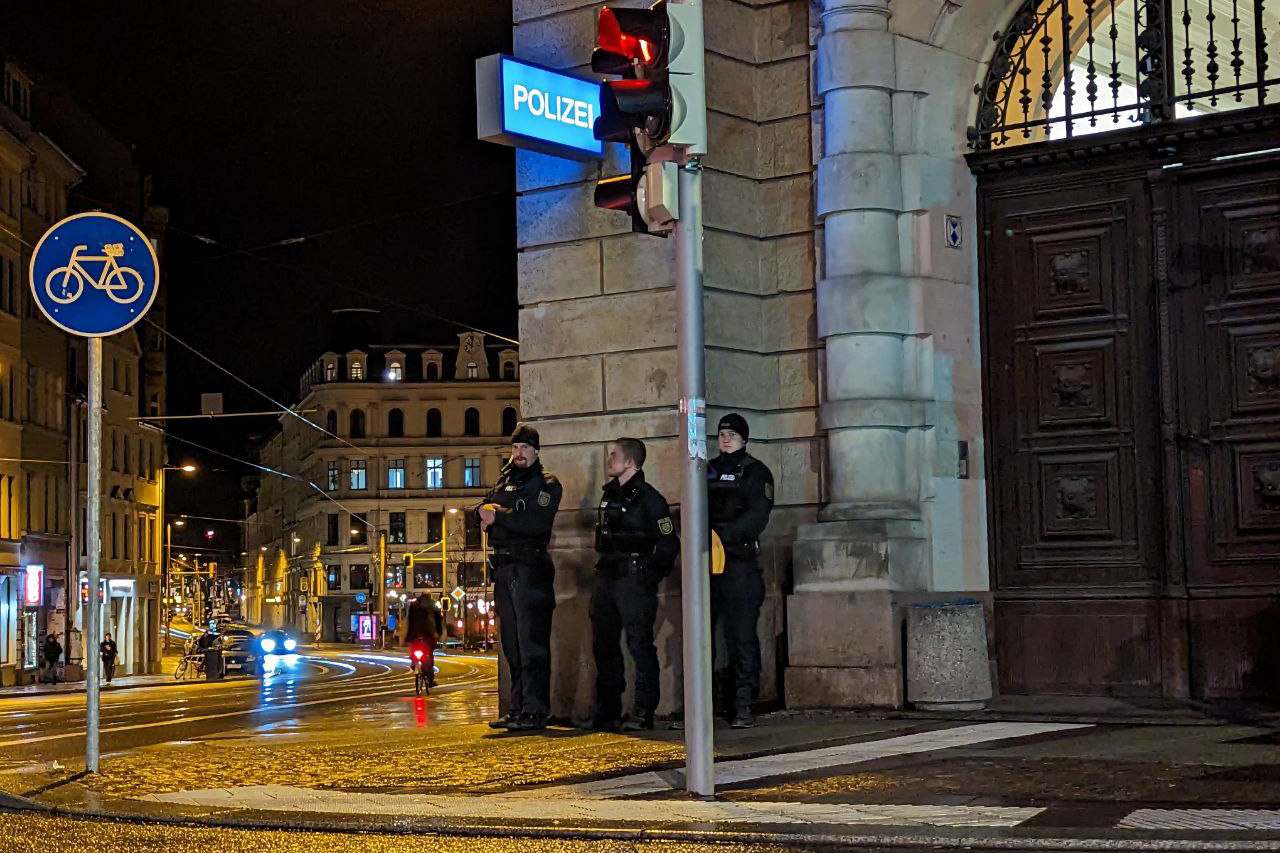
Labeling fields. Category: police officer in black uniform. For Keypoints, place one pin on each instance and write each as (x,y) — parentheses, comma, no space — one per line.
(518,513)
(739,499)
(637,546)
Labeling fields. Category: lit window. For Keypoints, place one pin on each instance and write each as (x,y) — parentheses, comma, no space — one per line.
(395,371)
(357,474)
(330,371)
(473,370)
(395,474)
(471,473)
(435,474)
(357,370)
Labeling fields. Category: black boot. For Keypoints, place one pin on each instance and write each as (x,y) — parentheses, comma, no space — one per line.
(639,721)
(502,722)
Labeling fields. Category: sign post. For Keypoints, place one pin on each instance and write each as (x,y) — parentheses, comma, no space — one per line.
(93,275)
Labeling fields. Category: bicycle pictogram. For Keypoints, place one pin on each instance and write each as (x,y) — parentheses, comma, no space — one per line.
(122,284)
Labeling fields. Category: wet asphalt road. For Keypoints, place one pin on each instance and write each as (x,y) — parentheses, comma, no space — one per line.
(52,727)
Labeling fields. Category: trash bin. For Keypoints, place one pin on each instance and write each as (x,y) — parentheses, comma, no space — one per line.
(947,663)
(213,663)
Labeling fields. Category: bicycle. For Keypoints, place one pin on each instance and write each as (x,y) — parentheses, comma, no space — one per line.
(422,678)
(193,663)
(113,280)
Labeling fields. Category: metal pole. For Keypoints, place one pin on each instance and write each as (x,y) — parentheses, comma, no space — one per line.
(698,742)
(93,513)
(167,579)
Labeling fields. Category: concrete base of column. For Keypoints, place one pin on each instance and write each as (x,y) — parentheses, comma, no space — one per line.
(845,621)
(844,687)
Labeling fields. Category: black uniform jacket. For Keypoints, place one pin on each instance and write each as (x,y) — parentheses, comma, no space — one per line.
(634,518)
(740,498)
(527,500)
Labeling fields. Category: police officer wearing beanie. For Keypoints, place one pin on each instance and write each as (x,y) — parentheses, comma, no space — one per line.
(518,513)
(739,500)
(636,544)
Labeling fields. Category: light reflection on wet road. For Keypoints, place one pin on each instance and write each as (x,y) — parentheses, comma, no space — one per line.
(374,688)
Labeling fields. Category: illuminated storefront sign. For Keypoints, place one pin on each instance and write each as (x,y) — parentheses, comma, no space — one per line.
(527,106)
(33,586)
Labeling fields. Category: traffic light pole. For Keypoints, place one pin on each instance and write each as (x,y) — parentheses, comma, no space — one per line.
(698,720)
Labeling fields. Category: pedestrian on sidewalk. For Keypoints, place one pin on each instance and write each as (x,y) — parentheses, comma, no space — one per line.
(518,513)
(636,544)
(107,649)
(51,653)
(739,500)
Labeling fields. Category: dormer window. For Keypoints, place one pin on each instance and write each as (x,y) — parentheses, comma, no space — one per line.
(395,366)
(473,370)
(357,371)
(17,91)
(330,371)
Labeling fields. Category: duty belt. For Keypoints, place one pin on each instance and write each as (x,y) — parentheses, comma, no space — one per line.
(516,550)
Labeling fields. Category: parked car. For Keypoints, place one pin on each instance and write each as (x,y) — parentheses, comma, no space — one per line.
(239,654)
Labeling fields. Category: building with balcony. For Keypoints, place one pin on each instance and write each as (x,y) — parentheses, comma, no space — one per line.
(392,443)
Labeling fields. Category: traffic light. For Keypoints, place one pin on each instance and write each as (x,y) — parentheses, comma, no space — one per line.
(648,194)
(661,98)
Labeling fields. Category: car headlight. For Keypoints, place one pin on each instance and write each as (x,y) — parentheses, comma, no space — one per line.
(290,644)
(268,644)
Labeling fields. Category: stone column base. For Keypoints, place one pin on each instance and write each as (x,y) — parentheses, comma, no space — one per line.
(844,687)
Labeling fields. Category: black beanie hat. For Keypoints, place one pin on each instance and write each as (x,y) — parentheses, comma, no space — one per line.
(737,423)
(525,434)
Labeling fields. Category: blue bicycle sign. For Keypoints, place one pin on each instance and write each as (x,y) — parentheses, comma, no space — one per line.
(94,274)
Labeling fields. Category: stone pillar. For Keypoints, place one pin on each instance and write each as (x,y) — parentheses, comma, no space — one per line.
(870,540)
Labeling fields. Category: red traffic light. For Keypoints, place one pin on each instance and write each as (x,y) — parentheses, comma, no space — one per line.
(611,36)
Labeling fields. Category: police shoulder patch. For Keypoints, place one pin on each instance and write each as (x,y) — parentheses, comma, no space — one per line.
(544,499)
(665,525)
(768,491)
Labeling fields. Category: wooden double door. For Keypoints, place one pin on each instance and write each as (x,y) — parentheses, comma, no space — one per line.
(1131,343)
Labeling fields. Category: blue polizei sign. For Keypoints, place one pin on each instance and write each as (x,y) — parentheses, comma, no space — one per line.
(528,106)
(94,274)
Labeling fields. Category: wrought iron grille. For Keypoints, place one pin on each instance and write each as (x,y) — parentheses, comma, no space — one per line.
(1066,68)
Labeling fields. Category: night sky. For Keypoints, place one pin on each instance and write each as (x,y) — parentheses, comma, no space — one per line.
(276,119)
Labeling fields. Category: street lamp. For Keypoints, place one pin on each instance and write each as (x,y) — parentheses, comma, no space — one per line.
(165,579)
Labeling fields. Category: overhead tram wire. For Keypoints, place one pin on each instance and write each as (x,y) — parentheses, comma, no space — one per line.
(279,406)
(269,470)
(337,229)
(417,309)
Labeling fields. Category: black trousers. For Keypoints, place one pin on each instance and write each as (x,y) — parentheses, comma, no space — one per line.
(626,600)
(108,667)
(525,596)
(736,596)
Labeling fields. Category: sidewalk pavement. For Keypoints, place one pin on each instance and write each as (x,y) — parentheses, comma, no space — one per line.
(121,682)
(802,778)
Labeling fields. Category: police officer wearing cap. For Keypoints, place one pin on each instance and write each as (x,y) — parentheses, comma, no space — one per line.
(637,546)
(739,500)
(518,513)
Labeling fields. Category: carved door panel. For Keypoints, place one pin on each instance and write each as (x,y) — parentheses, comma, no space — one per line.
(1226,286)
(1072,397)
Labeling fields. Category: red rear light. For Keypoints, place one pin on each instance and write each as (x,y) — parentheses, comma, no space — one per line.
(417,653)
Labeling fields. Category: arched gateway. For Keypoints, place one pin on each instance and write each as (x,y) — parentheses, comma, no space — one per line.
(1001,285)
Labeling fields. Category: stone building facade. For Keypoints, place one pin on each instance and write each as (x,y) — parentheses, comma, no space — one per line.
(845,319)
(406,440)
(53,161)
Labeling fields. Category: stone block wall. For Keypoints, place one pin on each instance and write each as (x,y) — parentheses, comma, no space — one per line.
(597,316)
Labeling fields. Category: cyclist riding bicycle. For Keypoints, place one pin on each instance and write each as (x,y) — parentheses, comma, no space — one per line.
(423,627)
